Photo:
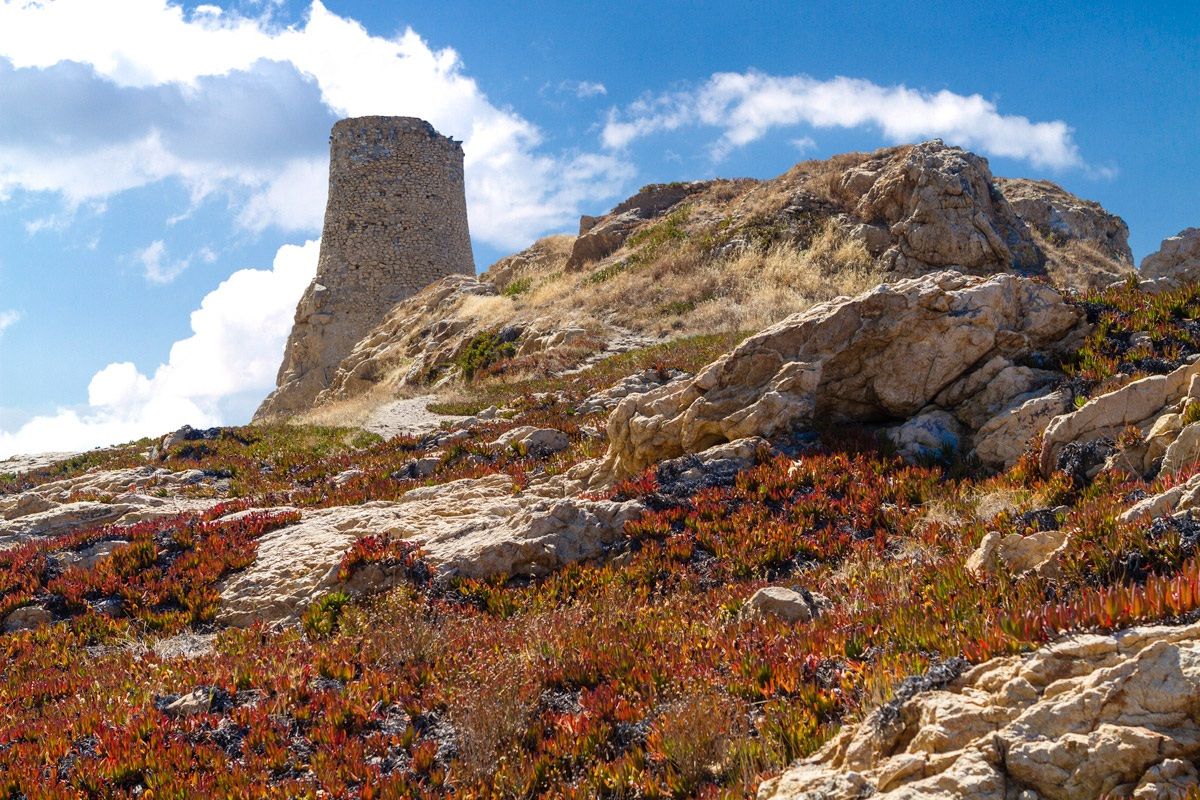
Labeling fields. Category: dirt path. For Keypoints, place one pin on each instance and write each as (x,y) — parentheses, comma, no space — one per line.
(410,417)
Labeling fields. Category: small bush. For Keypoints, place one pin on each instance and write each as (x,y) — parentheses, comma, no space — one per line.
(517,286)
(482,351)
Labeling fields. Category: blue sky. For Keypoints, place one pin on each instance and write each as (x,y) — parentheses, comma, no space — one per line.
(162,166)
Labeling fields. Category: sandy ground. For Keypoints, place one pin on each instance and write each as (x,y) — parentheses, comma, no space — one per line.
(19,464)
(409,417)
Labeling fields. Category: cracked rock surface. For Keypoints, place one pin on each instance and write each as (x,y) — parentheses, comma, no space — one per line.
(1087,716)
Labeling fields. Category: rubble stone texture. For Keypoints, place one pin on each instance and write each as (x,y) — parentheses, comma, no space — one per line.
(396,221)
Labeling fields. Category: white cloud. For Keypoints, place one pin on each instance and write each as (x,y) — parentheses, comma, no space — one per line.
(228,103)
(744,107)
(584,89)
(8,319)
(804,143)
(158,267)
(215,376)
(153,268)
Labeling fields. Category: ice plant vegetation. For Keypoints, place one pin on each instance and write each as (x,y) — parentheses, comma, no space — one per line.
(634,676)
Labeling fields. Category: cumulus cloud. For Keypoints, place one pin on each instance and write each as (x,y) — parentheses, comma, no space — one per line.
(216,375)
(101,97)
(744,107)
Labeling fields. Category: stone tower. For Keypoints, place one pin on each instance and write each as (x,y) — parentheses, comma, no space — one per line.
(395,221)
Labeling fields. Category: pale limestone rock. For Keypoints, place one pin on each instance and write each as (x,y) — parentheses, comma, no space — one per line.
(1002,440)
(120,496)
(638,383)
(474,527)
(60,519)
(1077,719)
(1170,780)
(26,618)
(1177,258)
(197,701)
(985,558)
(1031,552)
(939,205)
(1016,553)
(786,604)
(1177,499)
(1140,403)
(1184,450)
(884,354)
(529,439)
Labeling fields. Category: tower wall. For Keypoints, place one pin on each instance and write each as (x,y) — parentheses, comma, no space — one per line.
(395,221)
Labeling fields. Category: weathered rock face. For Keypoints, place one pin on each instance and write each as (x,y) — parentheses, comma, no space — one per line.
(1088,716)
(474,527)
(395,221)
(1062,217)
(1154,410)
(940,206)
(1177,258)
(125,496)
(943,341)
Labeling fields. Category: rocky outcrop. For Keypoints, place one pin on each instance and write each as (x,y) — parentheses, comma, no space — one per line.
(944,341)
(942,210)
(1177,259)
(1088,716)
(602,236)
(1061,217)
(1085,246)
(473,527)
(113,496)
(905,211)
(1141,428)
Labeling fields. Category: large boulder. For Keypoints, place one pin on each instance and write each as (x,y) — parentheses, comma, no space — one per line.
(942,209)
(472,527)
(1087,717)
(888,354)
(1177,258)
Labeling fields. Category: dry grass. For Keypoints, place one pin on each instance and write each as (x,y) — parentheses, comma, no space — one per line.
(686,289)
(353,411)
(726,259)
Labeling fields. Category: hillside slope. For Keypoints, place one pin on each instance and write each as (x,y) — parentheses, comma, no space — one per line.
(723,256)
(526,603)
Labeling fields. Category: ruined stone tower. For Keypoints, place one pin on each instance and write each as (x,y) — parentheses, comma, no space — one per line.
(395,221)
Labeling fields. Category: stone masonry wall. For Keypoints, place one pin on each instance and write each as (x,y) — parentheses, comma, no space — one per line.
(395,221)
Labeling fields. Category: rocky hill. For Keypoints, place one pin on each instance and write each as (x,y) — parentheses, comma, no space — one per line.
(930,536)
(726,256)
